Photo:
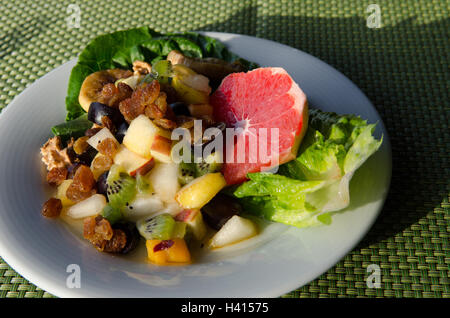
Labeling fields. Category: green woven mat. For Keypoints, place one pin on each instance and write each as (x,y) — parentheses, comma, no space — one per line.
(402,67)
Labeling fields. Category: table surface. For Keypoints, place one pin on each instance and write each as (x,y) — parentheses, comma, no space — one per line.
(403,67)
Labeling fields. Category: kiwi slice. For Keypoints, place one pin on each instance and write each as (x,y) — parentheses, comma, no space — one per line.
(209,164)
(112,214)
(159,227)
(187,172)
(143,185)
(121,187)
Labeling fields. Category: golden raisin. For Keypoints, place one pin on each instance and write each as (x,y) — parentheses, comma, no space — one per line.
(101,164)
(92,131)
(144,95)
(108,147)
(57,175)
(84,179)
(74,194)
(98,231)
(52,208)
(112,95)
(80,145)
(165,123)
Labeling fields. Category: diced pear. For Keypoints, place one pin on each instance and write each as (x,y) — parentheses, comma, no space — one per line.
(141,206)
(88,207)
(200,191)
(103,134)
(233,231)
(61,193)
(164,180)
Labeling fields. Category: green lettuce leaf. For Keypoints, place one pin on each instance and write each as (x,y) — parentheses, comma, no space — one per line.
(307,189)
(120,49)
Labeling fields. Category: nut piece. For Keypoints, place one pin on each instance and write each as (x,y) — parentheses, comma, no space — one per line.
(52,208)
(141,67)
(53,156)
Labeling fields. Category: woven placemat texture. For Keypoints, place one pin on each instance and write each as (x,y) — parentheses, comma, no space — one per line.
(403,67)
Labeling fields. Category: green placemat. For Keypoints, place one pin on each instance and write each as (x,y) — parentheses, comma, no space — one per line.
(403,67)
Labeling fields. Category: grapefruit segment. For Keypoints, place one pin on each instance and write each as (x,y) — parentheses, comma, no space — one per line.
(271,110)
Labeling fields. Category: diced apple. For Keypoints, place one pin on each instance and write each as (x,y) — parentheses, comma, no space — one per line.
(103,134)
(161,149)
(88,207)
(194,219)
(200,191)
(132,163)
(142,206)
(164,180)
(235,230)
(141,134)
(61,193)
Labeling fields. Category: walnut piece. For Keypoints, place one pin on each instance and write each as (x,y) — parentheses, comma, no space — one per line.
(53,156)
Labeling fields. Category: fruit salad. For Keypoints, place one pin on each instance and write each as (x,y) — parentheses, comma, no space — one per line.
(145,153)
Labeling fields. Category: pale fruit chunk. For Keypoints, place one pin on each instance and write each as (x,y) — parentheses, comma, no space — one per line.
(61,193)
(131,81)
(192,88)
(164,180)
(235,230)
(141,206)
(131,162)
(172,208)
(103,134)
(89,207)
(200,191)
(141,134)
(194,219)
(161,149)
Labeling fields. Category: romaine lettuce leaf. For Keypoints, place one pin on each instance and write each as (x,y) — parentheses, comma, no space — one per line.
(317,182)
(120,49)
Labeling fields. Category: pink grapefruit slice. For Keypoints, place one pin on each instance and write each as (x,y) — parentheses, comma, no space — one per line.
(262,98)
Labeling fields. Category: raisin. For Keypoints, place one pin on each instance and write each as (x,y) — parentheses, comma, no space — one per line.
(108,147)
(117,243)
(152,111)
(92,131)
(80,145)
(107,122)
(57,175)
(144,95)
(101,164)
(165,123)
(84,179)
(112,95)
(75,195)
(52,208)
(98,231)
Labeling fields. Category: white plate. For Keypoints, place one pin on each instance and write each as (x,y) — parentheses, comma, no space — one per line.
(282,259)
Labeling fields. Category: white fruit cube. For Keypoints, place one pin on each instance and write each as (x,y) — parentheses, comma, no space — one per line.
(141,206)
(235,230)
(141,134)
(200,191)
(130,161)
(103,134)
(88,207)
(194,219)
(164,179)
